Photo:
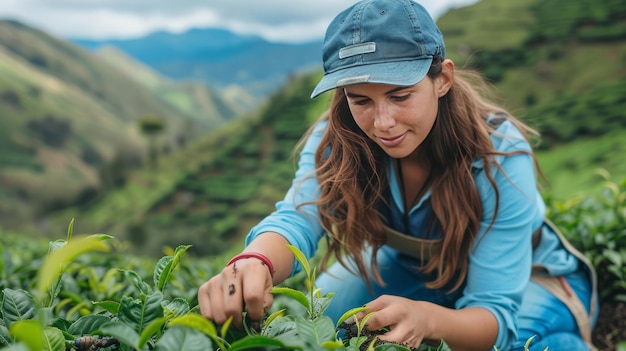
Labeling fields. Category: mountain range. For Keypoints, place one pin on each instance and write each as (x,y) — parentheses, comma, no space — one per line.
(218,57)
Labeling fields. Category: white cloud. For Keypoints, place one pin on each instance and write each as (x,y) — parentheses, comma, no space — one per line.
(277,20)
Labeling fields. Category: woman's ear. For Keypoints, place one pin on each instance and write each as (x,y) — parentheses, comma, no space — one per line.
(446,78)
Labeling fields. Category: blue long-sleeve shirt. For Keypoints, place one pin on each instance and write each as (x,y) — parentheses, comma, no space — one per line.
(502,255)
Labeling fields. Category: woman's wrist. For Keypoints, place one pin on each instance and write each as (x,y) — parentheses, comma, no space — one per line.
(261,257)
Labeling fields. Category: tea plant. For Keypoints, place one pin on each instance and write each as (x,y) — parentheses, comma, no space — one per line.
(69,307)
(41,319)
(596,225)
(80,297)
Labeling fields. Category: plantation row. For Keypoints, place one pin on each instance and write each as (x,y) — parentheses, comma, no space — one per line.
(84,293)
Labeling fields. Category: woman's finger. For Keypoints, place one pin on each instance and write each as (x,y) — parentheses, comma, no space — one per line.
(383,316)
(204,301)
(256,291)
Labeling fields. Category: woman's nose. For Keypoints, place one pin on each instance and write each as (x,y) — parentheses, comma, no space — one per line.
(384,119)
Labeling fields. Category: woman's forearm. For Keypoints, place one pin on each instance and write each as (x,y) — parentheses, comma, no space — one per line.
(471,328)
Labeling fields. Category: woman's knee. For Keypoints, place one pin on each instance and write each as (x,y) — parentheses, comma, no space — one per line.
(560,341)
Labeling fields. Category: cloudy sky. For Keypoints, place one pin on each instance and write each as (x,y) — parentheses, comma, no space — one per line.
(276,20)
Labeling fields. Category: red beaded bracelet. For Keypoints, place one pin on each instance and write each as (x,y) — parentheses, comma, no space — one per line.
(256,255)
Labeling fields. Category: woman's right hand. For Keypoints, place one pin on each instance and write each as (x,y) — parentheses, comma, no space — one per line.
(244,285)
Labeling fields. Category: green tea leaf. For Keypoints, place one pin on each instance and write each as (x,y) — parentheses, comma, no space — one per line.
(320,304)
(54,264)
(252,342)
(333,345)
(282,327)
(109,306)
(176,307)
(292,293)
(153,309)
(179,338)
(139,313)
(317,331)
(121,332)
(349,314)
(197,322)
(81,307)
(166,266)
(152,329)
(17,305)
(137,281)
(273,316)
(55,245)
(29,332)
(5,338)
(53,339)
(367,317)
(87,324)
(613,256)
(100,236)
(225,326)
(160,271)
(70,229)
(299,256)
(443,346)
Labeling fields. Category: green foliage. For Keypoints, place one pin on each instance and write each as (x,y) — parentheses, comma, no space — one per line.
(597,226)
(581,19)
(132,314)
(606,101)
(151,124)
(562,58)
(132,319)
(75,296)
(571,169)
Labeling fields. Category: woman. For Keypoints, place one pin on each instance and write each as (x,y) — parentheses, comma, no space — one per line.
(427,195)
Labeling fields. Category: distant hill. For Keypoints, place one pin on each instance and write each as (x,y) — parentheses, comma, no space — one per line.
(207,106)
(539,53)
(69,122)
(215,188)
(219,57)
(561,66)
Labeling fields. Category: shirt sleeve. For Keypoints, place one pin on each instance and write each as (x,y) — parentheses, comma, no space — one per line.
(299,225)
(500,260)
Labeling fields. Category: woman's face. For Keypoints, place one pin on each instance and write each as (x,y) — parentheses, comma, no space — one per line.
(398,118)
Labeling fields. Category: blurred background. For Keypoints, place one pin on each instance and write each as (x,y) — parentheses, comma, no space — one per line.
(166,123)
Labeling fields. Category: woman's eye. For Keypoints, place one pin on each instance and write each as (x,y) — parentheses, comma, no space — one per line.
(360,102)
(401,98)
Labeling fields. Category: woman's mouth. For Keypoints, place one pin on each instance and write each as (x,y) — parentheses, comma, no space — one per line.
(391,142)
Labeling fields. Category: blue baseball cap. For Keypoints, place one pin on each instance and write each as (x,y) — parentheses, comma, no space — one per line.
(379,41)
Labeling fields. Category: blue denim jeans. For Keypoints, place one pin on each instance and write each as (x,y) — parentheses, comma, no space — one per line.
(353,291)
(541,314)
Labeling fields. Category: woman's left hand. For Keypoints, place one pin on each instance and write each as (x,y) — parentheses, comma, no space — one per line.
(406,319)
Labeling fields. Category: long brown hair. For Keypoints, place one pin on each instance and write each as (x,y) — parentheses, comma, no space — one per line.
(351,171)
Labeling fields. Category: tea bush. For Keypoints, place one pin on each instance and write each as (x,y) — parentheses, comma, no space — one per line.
(83,293)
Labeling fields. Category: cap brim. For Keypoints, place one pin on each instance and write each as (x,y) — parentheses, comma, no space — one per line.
(401,73)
